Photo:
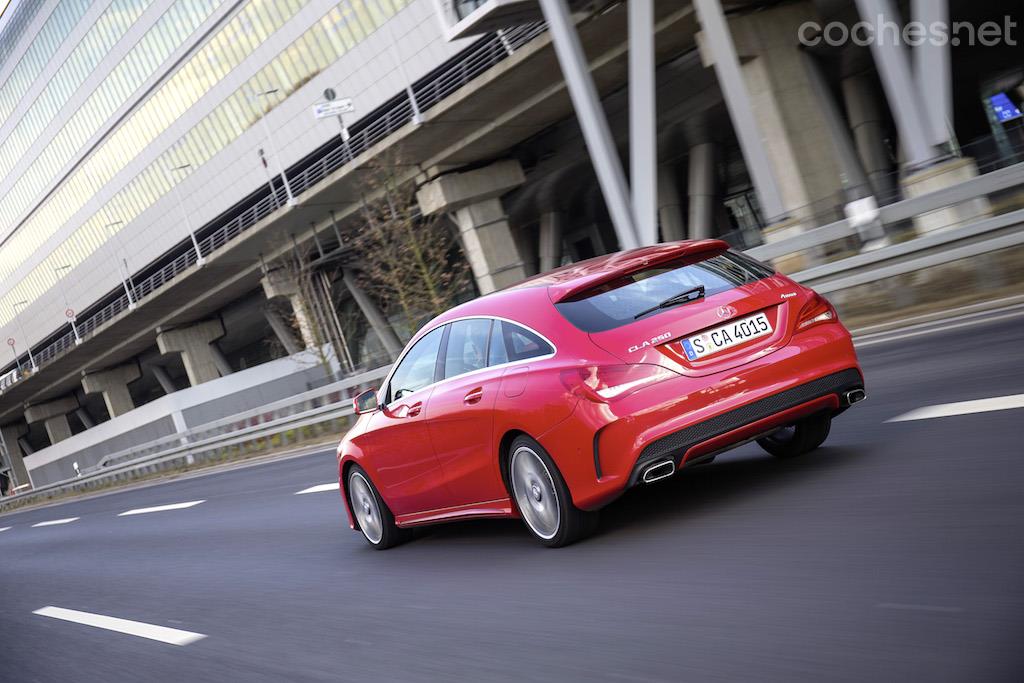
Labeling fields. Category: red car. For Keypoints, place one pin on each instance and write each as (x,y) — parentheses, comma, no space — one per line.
(546,401)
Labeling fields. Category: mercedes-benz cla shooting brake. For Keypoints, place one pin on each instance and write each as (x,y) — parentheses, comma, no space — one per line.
(548,400)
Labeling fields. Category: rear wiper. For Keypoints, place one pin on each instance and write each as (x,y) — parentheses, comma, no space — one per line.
(682,298)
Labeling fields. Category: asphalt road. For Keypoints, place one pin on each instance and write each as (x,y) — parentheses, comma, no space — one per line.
(896,552)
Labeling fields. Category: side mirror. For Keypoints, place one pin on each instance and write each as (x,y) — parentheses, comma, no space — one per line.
(365,402)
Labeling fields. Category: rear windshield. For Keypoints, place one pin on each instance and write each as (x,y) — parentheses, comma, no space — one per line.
(618,302)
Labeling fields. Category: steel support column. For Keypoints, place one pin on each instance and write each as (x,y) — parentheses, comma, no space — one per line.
(851,172)
(378,322)
(592,120)
(727,68)
(901,90)
(701,188)
(932,70)
(643,131)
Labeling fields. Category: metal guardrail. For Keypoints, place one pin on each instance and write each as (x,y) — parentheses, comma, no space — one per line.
(981,186)
(310,408)
(429,92)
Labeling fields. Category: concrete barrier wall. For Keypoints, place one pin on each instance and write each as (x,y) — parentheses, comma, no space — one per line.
(177,412)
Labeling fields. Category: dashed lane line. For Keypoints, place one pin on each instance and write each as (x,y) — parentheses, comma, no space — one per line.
(161,508)
(319,488)
(4,528)
(55,522)
(139,629)
(918,608)
(983,405)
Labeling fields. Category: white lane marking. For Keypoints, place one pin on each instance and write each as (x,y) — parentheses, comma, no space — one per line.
(931,328)
(919,608)
(983,405)
(319,488)
(161,508)
(133,628)
(54,522)
(4,528)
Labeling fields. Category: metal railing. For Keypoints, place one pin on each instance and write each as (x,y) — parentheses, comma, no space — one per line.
(429,92)
(206,441)
(982,186)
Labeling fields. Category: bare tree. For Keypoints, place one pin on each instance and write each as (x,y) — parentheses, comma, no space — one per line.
(410,263)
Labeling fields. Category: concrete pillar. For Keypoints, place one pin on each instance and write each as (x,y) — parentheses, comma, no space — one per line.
(702,190)
(85,418)
(163,379)
(549,247)
(195,344)
(852,177)
(474,199)
(670,209)
(282,331)
(867,122)
(380,325)
(113,384)
(788,126)
(54,416)
(11,435)
(282,284)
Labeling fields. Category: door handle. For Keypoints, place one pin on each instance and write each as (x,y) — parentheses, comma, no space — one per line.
(474,396)
(414,409)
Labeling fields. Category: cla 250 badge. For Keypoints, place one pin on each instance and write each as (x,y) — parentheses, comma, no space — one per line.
(653,340)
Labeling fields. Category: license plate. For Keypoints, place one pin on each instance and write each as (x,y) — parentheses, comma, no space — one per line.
(726,336)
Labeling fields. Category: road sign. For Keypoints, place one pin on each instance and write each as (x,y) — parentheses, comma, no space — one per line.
(70,313)
(10,341)
(323,110)
(329,94)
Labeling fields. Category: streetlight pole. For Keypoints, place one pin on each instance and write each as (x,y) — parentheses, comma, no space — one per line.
(417,118)
(188,223)
(122,272)
(21,329)
(68,311)
(273,146)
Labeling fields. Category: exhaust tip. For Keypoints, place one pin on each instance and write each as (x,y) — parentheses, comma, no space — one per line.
(855,396)
(658,471)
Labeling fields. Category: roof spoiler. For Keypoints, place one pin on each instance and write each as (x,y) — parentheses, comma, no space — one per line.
(631,262)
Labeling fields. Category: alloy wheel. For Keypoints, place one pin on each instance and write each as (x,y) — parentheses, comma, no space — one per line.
(535,493)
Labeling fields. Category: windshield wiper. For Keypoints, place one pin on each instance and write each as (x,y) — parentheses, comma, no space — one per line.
(686,297)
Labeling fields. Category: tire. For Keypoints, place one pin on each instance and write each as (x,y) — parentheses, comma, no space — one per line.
(373,518)
(797,439)
(542,497)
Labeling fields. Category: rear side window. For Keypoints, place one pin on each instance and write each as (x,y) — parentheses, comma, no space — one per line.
(467,346)
(618,302)
(510,342)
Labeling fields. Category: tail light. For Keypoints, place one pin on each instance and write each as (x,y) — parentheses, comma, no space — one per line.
(604,383)
(816,310)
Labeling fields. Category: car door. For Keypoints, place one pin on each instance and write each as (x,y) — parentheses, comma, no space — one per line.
(396,441)
(460,414)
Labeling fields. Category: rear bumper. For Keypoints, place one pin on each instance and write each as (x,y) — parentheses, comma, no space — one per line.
(602,448)
(751,420)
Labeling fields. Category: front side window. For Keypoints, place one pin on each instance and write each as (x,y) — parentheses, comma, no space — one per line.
(467,346)
(417,367)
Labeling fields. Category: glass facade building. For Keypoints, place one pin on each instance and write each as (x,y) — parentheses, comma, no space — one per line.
(104,98)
